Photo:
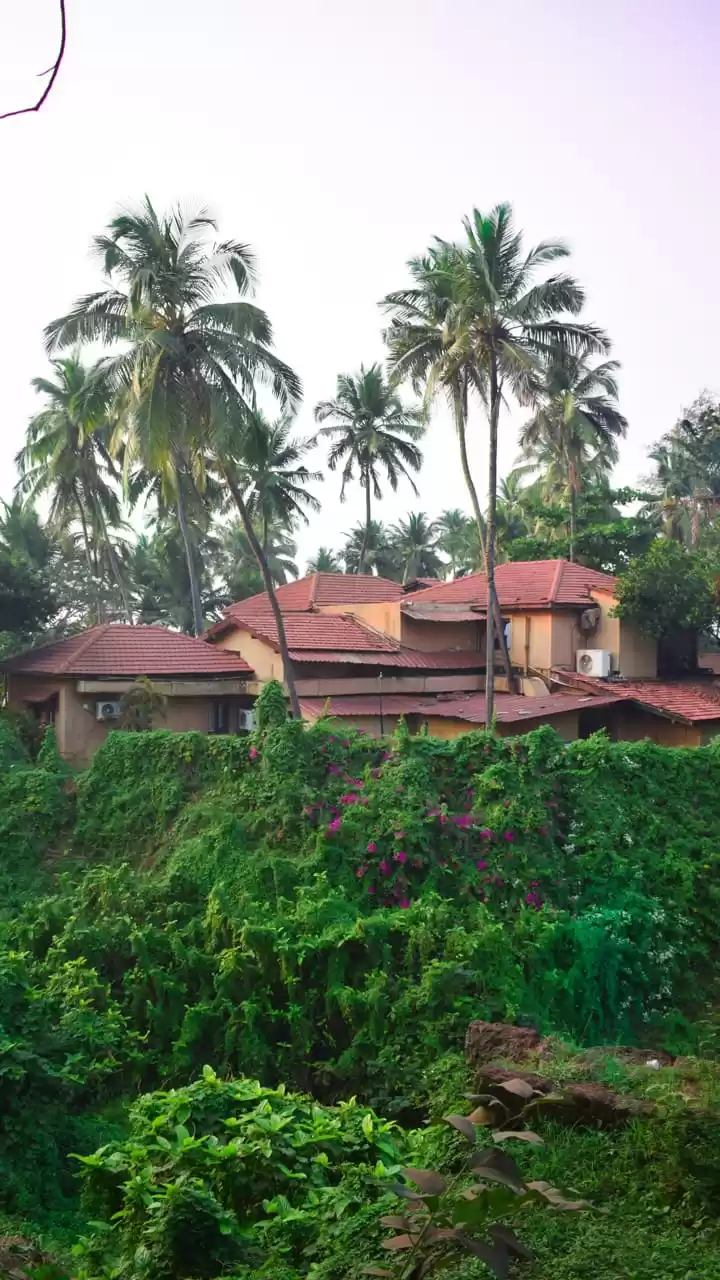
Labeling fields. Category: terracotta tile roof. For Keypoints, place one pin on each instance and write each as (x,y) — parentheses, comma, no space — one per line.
(322,589)
(118,650)
(510,707)
(530,584)
(414,659)
(680,700)
(333,632)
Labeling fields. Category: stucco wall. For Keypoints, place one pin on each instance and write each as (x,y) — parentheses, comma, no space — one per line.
(531,640)
(634,655)
(566,725)
(265,662)
(418,633)
(384,616)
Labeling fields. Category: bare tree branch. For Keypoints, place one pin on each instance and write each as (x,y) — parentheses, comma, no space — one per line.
(51,71)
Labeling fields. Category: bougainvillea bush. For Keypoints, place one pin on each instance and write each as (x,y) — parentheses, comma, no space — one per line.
(311,906)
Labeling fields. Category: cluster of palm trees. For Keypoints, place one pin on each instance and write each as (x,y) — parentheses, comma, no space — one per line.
(169,417)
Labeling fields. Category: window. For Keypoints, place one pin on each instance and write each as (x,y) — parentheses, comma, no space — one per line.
(220,715)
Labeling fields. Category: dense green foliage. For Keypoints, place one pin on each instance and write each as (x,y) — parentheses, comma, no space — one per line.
(668,589)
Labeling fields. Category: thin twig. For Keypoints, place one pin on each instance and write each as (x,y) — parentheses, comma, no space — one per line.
(52,71)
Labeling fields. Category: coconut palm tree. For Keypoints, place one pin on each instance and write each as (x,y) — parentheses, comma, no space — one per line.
(573,432)
(500,322)
(324,561)
(181,347)
(373,432)
(375,547)
(686,481)
(414,542)
(66,457)
(451,529)
(237,566)
(276,475)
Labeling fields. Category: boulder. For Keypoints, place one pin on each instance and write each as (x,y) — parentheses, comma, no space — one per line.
(494,1041)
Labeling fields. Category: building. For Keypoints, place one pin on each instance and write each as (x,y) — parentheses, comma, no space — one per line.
(78,684)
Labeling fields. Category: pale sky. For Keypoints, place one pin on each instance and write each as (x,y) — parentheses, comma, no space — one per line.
(337,138)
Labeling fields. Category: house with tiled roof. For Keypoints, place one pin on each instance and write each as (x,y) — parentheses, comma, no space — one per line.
(80,684)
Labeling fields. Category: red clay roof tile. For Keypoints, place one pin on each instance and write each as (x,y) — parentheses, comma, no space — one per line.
(415,659)
(318,631)
(115,649)
(322,589)
(529,584)
(678,700)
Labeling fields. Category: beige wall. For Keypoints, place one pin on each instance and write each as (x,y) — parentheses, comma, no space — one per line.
(531,640)
(265,662)
(384,616)
(369,724)
(634,655)
(566,725)
(418,633)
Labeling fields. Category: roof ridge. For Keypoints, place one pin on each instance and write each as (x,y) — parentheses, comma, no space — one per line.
(374,631)
(93,635)
(557,578)
(315,579)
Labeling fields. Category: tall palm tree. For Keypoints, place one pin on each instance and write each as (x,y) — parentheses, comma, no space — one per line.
(500,323)
(276,475)
(686,482)
(576,424)
(180,344)
(372,431)
(374,545)
(23,534)
(66,456)
(237,566)
(324,561)
(452,534)
(414,542)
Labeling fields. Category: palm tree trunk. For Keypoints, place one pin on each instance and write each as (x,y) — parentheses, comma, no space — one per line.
(269,587)
(198,625)
(490,541)
(88,556)
(494,616)
(113,561)
(573,513)
(366,539)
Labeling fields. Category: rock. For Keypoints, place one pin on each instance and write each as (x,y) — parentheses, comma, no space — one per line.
(494,1041)
(626,1055)
(572,1102)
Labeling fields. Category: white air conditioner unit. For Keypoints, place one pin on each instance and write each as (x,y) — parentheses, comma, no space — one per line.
(108,710)
(246,720)
(594,662)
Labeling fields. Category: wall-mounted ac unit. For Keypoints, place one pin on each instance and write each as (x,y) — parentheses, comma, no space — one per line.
(246,720)
(594,662)
(108,710)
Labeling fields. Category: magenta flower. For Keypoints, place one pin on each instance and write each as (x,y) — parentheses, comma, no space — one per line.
(253,753)
(349,798)
(385,867)
(486,834)
(481,865)
(399,835)
(404,903)
(509,835)
(334,825)
(400,856)
(371,888)
(372,847)
(361,872)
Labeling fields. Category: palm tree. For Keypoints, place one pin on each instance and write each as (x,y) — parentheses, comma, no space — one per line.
(374,546)
(186,374)
(237,566)
(324,561)
(414,542)
(372,431)
(23,534)
(499,323)
(452,534)
(686,483)
(66,456)
(574,430)
(276,475)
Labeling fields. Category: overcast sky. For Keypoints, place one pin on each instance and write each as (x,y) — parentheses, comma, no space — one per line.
(337,138)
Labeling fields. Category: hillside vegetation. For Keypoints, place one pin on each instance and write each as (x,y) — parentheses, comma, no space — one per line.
(325,914)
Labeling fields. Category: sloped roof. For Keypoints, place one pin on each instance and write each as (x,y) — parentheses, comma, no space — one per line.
(333,632)
(320,589)
(685,701)
(511,707)
(413,659)
(115,649)
(530,584)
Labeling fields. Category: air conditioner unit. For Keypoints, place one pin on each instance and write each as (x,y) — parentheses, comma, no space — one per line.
(246,720)
(108,710)
(594,662)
